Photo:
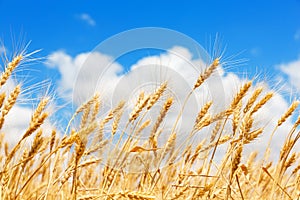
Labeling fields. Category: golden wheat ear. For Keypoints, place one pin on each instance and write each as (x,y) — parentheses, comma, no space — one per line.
(9,103)
(11,66)
(207,73)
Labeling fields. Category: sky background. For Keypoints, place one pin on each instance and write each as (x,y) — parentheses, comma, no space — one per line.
(265,33)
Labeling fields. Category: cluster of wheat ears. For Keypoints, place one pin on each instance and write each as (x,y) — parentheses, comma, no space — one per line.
(75,165)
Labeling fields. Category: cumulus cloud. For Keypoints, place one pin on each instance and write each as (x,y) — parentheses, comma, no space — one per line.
(13,128)
(17,121)
(291,69)
(86,73)
(79,75)
(87,19)
(266,117)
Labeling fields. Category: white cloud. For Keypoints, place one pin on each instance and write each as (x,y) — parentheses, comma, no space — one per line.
(97,72)
(17,122)
(83,72)
(292,69)
(87,19)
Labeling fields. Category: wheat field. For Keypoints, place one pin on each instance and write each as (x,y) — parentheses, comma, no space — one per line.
(96,160)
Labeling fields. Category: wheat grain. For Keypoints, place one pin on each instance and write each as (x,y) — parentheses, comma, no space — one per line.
(52,140)
(138,108)
(161,116)
(116,121)
(2,98)
(288,113)
(296,169)
(215,131)
(95,111)
(9,103)
(85,116)
(40,108)
(262,102)
(37,143)
(246,124)
(290,161)
(203,112)
(236,159)
(236,117)
(238,97)
(252,99)
(207,73)
(142,127)
(34,125)
(169,144)
(249,137)
(154,97)
(10,68)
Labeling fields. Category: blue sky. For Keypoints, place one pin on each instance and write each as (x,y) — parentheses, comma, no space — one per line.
(265,31)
